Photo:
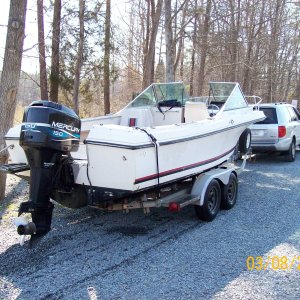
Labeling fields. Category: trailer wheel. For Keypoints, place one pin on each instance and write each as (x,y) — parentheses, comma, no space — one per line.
(229,192)
(245,141)
(212,202)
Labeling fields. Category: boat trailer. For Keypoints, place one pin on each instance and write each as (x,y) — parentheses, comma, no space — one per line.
(191,192)
(208,192)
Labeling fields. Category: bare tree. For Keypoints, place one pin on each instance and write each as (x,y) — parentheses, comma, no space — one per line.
(154,13)
(174,36)
(254,27)
(251,41)
(11,74)
(79,58)
(235,23)
(54,76)
(194,45)
(273,47)
(180,35)
(297,89)
(204,46)
(170,55)
(42,55)
(107,60)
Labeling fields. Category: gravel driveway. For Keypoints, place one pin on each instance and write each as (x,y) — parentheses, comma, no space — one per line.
(94,255)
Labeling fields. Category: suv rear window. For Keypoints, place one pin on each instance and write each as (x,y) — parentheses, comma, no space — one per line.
(271,116)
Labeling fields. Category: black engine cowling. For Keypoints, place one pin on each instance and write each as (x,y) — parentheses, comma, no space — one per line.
(50,125)
(49,133)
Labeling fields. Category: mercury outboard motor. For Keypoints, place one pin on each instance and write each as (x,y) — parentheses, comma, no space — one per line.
(49,133)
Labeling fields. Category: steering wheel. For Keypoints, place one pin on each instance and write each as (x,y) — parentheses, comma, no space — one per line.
(213,109)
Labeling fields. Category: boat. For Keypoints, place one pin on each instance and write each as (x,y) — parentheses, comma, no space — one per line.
(160,138)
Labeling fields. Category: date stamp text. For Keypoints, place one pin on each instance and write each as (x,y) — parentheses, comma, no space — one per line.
(274,263)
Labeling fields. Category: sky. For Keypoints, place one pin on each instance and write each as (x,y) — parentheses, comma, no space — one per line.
(29,64)
(30,57)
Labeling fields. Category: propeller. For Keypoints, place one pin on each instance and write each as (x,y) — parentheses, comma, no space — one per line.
(26,228)
(21,221)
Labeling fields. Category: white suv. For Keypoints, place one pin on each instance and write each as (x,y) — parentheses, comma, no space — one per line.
(279,131)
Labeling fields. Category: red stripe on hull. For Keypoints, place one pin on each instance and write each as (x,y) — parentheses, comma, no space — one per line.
(181,169)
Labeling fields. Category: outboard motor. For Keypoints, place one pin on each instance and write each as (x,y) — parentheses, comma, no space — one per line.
(49,133)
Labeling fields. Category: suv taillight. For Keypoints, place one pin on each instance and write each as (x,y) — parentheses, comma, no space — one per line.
(281,131)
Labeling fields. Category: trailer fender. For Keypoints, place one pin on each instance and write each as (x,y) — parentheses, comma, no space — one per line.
(203,180)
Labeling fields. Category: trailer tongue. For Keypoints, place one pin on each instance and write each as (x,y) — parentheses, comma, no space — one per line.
(49,133)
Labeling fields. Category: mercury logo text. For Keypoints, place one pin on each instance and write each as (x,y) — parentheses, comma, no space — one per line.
(65,126)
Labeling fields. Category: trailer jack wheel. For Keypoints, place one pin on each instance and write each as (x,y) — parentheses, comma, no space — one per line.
(212,202)
(229,192)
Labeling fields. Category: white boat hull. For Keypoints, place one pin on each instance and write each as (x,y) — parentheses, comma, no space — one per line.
(123,158)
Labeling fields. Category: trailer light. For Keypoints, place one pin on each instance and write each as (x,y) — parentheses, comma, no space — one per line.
(173,207)
(281,131)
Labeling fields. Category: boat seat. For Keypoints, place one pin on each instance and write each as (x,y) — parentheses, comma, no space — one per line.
(137,117)
(195,111)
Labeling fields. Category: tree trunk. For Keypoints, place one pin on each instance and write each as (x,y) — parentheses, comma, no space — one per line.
(146,35)
(54,76)
(130,67)
(148,71)
(106,88)
(297,90)
(181,62)
(235,15)
(170,55)
(273,50)
(252,33)
(10,75)
(42,56)
(204,47)
(79,59)
(181,33)
(292,65)
(194,40)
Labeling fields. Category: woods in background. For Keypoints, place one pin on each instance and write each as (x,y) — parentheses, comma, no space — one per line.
(98,61)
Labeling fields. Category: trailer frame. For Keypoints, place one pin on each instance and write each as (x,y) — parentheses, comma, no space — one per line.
(192,194)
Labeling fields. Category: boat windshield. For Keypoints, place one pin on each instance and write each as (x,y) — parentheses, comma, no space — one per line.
(228,94)
(166,94)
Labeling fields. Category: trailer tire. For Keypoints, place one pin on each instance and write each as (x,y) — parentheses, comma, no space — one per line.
(212,201)
(245,141)
(229,193)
